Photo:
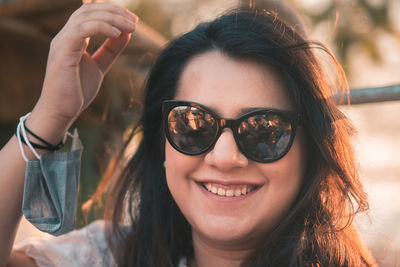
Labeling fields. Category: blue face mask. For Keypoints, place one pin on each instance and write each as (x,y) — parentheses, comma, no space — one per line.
(51,189)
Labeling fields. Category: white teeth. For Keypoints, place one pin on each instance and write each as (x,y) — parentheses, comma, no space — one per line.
(238,192)
(229,193)
(243,190)
(221,192)
(208,186)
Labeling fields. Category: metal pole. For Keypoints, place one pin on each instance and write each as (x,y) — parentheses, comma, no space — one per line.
(373,95)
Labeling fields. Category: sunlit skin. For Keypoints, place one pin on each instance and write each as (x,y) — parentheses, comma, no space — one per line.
(226,229)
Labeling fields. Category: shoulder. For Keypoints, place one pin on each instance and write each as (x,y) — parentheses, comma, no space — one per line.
(83,247)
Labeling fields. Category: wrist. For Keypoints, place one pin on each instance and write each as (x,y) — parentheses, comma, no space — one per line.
(49,127)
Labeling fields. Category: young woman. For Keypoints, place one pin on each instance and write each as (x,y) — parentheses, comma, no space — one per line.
(244,159)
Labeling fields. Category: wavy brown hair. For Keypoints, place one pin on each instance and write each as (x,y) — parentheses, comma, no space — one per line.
(318,229)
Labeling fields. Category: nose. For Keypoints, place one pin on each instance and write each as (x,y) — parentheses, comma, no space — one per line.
(225,154)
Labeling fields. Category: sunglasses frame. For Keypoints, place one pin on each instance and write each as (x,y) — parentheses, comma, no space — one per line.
(292,116)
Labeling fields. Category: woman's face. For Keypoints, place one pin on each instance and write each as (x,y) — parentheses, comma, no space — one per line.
(229,86)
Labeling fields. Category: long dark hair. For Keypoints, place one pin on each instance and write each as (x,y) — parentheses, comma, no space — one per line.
(318,229)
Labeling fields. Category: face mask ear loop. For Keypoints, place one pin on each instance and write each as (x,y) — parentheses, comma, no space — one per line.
(21,148)
(21,128)
(66,136)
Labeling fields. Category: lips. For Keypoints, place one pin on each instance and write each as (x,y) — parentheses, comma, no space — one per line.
(229,190)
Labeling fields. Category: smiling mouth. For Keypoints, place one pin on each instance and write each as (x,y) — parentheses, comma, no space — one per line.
(232,191)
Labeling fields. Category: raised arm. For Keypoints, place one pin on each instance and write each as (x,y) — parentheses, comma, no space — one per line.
(73,79)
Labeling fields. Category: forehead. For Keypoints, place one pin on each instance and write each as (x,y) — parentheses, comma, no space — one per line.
(229,85)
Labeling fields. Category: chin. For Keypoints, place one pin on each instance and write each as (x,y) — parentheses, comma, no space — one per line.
(226,231)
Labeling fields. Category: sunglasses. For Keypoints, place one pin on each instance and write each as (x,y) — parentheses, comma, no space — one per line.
(262,135)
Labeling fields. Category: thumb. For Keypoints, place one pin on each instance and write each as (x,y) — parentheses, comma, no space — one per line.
(108,52)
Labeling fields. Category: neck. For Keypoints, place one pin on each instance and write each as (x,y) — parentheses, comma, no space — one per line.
(210,254)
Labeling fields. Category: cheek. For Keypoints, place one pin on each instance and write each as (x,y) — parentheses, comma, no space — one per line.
(178,166)
(175,162)
(293,166)
(285,177)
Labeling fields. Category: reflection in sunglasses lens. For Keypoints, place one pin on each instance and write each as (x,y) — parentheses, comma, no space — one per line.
(191,129)
(264,136)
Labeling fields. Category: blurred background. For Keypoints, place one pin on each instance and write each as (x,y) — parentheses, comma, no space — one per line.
(363,34)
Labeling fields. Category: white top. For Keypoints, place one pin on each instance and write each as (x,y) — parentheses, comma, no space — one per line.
(84,247)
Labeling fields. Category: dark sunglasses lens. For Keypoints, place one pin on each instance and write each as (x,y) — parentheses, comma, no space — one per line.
(265,137)
(191,130)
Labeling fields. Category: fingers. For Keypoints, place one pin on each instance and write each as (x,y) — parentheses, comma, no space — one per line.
(110,50)
(115,16)
(99,27)
(117,21)
(109,7)
(104,19)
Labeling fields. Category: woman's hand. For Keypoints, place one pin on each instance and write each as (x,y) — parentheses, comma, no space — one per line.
(73,76)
